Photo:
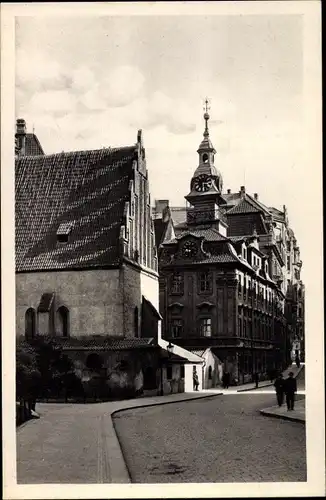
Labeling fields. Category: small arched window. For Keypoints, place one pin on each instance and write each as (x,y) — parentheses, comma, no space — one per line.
(30,323)
(205,158)
(210,373)
(63,321)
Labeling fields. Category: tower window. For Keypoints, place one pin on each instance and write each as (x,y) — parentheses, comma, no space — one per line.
(205,158)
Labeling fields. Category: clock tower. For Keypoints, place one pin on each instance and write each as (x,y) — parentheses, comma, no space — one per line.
(206,185)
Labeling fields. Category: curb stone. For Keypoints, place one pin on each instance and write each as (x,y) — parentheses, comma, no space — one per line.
(282,417)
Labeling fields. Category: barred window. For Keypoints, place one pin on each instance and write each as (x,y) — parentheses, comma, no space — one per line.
(205,327)
(205,282)
(177,283)
(176,327)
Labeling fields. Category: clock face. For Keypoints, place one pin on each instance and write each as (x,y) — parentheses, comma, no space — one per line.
(202,183)
(189,249)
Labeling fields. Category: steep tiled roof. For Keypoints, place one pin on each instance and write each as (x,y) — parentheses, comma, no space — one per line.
(210,234)
(244,207)
(32,145)
(222,258)
(85,189)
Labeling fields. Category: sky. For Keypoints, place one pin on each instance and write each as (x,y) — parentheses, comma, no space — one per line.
(88,83)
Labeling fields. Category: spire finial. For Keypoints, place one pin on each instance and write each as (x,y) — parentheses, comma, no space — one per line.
(206,117)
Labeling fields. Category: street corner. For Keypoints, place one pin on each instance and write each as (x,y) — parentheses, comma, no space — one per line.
(296,415)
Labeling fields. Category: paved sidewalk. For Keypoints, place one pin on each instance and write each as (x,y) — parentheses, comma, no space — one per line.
(77,443)
(267,383)
(297,415)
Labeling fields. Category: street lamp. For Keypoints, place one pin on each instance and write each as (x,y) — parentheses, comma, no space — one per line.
(170,348)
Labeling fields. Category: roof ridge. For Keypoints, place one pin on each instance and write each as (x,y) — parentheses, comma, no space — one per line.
(82,151)
(241,204)
(257,203)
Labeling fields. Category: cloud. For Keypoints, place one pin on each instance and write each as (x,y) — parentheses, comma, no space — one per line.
(35,71)
(56,102)
(121,85)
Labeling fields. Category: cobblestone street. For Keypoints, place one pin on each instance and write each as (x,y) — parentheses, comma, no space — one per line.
(221,439)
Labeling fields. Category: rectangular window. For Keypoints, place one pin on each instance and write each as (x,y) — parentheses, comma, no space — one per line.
(240,327)
(176,327)
(177,284)
(206,327)
(169,372)
(182,371)
(289,263)
(205,282)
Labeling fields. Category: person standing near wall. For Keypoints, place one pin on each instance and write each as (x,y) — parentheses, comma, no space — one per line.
(290,388)
(195,379)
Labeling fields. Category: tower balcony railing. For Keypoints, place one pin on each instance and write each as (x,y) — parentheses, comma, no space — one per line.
(205,215)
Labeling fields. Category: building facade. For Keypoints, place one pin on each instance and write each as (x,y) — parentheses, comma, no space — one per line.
(223,281)
(86,264)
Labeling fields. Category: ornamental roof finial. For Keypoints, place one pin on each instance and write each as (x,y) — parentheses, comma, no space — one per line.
(206,117)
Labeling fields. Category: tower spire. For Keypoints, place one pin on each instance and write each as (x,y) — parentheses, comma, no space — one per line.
(206,117)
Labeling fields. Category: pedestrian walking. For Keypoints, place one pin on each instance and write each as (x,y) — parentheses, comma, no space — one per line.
(290,388)
(279,388)
(256,379)
(195,379)
(226,380)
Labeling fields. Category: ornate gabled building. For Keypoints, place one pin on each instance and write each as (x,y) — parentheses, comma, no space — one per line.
(220,277)
(86,261)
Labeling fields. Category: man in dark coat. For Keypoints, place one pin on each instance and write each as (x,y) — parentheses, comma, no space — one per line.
(290,388)
(226,380)
(279,388)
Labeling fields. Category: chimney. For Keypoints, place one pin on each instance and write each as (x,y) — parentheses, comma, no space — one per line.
(160,207)
(256,196)
(21,135)
(229,191)
(242,190)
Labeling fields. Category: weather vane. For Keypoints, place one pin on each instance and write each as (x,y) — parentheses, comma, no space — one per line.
(206,107)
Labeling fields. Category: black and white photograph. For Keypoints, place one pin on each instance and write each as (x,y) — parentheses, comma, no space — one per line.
(163,298)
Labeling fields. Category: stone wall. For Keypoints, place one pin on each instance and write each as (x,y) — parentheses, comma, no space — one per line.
(93,298)
(100,302)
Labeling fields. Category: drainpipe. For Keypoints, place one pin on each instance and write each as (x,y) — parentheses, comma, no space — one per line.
(203,374)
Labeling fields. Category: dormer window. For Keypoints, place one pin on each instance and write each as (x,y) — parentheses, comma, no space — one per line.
(63,232)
